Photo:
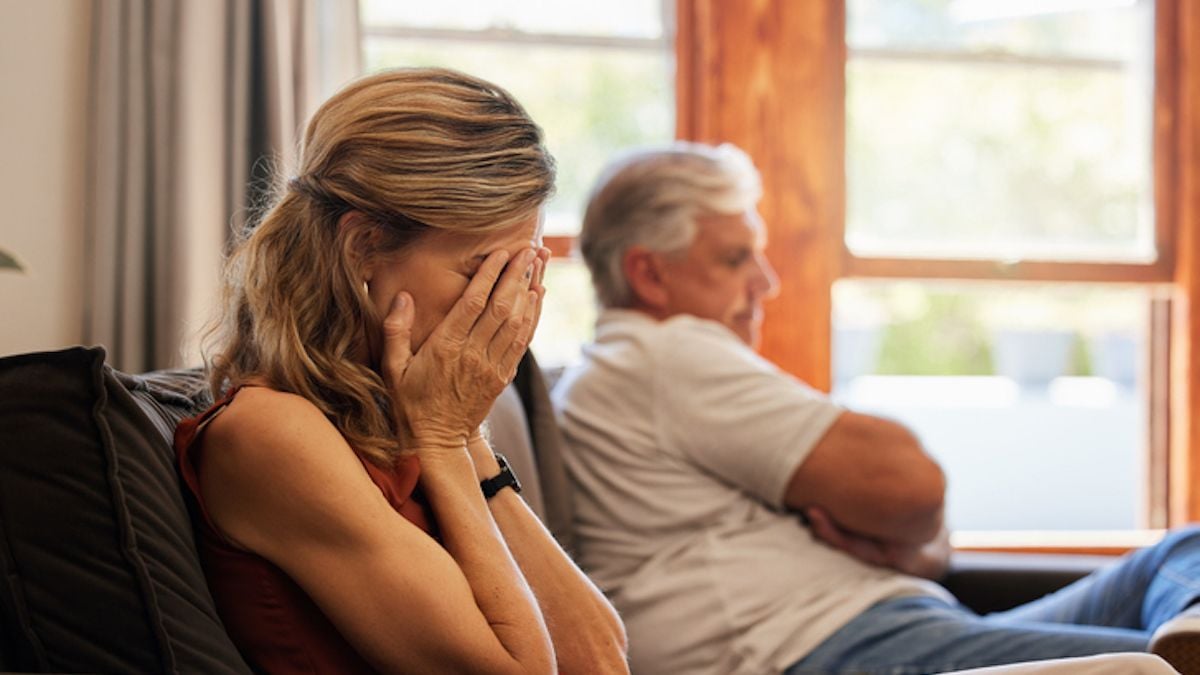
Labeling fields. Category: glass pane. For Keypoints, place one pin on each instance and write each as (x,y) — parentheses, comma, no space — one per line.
(568,314)
(1032,398)
(994,158)
(623,18)
(589,101)
(1093,29)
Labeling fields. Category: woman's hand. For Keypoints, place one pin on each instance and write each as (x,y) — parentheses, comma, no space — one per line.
(443,392)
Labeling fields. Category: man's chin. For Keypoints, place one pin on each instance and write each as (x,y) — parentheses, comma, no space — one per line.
(748,330)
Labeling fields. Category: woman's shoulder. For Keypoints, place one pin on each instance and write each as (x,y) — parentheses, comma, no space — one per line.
(260,409)
(264,428)
(255,398)
(264,439)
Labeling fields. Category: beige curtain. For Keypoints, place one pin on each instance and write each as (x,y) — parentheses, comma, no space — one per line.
(192,105)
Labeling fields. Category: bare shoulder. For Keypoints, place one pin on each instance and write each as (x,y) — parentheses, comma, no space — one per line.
(264,428)
(271,462)
(260,411)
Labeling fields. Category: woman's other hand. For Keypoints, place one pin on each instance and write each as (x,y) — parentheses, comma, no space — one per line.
(443,392)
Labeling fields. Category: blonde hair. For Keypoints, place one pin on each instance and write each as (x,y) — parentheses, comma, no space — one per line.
(416,151)
(651,197)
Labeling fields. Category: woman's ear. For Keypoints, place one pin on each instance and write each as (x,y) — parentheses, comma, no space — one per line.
(643,271)
(358,241)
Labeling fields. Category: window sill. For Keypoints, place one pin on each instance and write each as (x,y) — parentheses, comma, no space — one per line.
(1089,542)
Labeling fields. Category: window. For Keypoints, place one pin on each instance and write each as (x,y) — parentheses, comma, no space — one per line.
(1042,151)
(1037,166)
(778,78)
(596,77)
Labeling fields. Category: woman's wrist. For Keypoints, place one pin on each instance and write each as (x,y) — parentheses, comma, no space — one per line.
(439,451)
(433,437)
(482,456)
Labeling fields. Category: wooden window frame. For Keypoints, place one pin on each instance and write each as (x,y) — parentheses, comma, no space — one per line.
(770,77)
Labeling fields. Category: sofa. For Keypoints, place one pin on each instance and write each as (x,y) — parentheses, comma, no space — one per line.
(99,568)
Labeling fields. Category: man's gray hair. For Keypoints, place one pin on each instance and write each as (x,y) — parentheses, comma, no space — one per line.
(651,197)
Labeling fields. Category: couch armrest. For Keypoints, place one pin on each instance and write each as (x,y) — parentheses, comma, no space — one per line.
(991,582)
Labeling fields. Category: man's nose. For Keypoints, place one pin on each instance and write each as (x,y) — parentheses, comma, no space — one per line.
(765,283)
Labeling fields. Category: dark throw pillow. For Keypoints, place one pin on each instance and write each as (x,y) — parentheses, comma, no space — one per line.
(100,572)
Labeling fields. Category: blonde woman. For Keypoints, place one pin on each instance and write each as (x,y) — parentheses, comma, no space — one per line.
(371,318)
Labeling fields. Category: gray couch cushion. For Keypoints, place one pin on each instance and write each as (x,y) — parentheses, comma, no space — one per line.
(100,572)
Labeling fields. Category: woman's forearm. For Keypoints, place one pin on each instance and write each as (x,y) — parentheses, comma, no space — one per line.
(587,632)
(471,536)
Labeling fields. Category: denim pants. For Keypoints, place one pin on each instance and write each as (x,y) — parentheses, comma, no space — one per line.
(1112,610)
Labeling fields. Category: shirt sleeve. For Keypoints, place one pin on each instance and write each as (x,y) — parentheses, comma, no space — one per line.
(733,413)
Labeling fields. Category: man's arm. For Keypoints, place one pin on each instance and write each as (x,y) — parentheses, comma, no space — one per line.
(873,479)
(930,560)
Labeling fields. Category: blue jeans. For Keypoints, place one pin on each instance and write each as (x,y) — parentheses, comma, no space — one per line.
(1113,610)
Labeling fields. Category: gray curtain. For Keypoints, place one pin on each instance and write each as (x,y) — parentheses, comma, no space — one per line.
(128,237)
(153,63)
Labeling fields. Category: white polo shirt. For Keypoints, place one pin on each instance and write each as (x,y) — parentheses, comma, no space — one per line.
(680,444)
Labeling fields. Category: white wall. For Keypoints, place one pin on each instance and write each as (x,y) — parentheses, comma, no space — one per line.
(43,99)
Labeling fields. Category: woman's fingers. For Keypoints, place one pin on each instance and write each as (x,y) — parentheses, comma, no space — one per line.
(493,321)
(517,345)
(511,344)
(397,337)
(509,331)
(543,254)
(540,265)
(463,315)
(507,299)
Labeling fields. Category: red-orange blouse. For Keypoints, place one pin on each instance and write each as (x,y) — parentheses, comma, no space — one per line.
(275,624)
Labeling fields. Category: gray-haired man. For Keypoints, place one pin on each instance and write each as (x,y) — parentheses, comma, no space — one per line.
(694,460)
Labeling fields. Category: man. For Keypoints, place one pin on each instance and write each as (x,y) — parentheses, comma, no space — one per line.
(739,520)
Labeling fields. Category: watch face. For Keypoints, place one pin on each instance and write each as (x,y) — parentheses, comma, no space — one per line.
(507,474)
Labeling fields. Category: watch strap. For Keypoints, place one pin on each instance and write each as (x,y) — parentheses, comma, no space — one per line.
(506,478)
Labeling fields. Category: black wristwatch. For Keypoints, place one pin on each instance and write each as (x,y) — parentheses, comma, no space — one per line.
(506,478)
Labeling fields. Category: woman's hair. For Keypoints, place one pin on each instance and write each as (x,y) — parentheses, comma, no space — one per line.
(416,151)
(651,197)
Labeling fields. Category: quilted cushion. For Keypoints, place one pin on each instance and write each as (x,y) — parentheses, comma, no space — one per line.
(100,572)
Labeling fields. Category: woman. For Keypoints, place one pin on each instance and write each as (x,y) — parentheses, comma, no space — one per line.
(371,319)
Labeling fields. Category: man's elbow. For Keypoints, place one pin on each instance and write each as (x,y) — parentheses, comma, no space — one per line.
(921,502)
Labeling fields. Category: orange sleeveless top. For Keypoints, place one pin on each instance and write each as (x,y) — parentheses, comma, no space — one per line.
(275,624)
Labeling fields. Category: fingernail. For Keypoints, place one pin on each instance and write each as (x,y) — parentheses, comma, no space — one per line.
(401,301)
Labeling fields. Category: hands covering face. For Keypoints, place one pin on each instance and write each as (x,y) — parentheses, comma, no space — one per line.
(443,391)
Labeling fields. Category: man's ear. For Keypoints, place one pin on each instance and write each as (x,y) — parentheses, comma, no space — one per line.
(644,272)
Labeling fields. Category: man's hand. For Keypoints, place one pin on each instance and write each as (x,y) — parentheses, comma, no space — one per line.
(929,560)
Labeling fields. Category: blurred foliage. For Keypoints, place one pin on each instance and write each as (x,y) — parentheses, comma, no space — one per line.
(946,339)
(1026,136)
(972,26)
(942,328)
(590,102)
(1080,363)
